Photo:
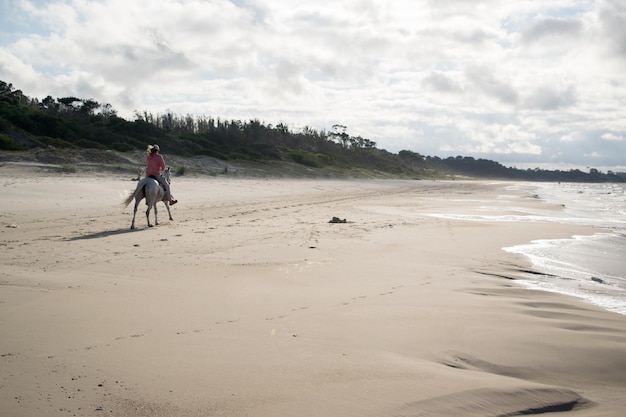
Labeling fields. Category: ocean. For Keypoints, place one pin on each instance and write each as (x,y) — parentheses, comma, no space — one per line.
(592,268)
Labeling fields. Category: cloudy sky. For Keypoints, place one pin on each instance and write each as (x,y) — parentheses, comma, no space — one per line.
(525,83)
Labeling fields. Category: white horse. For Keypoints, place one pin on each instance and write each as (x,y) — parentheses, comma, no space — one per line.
(153,192)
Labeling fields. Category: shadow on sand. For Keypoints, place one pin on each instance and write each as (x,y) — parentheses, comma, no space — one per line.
(102,234)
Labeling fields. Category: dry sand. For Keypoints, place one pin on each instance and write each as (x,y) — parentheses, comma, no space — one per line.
(250,303)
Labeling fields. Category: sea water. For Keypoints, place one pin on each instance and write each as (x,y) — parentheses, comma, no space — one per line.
(591,267)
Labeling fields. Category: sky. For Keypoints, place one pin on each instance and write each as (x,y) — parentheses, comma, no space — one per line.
(527,83)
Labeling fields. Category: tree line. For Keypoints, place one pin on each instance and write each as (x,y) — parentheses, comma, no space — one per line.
(72,122)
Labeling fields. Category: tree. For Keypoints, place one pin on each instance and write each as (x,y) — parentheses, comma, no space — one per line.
(10,94)
(339,135)
(6,89)
(88,106)
(362,145)
(107,111)
(68,103)
(49,104)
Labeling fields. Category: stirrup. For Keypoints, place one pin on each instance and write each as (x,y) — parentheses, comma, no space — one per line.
(172,202)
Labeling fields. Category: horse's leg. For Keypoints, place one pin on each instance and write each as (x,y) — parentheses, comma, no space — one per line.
(137,200)
(148,215)
(167,206)
(156,220)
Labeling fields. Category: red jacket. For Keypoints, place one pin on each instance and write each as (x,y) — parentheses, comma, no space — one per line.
(154,164)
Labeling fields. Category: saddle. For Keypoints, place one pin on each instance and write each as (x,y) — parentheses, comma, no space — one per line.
(154,177)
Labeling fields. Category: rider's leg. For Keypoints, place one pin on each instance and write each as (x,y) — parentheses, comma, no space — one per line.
(171,197)
(168,192)
(166,186)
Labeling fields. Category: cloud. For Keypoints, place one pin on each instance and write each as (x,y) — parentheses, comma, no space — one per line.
(612,24)
(440,82)
(550,29)
(613,137)
(500,79)
(485,81)
(569,137)
(23,72)
(504,139)
(548,97)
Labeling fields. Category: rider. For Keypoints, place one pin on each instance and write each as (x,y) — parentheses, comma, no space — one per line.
(154,165)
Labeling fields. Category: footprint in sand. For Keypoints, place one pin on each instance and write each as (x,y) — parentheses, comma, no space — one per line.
(227,321)
(194,331)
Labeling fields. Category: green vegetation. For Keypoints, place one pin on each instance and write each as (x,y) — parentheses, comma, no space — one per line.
(68,169)
(8,144)
(315,160)
(72,124)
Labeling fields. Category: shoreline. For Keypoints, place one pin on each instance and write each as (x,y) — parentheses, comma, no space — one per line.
(251,302)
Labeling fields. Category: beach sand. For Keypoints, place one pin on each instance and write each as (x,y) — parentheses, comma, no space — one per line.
(250,303)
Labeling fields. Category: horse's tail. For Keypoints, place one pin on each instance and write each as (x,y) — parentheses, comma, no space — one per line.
(138,191)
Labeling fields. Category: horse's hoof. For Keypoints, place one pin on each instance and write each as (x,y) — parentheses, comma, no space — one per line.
(149,225)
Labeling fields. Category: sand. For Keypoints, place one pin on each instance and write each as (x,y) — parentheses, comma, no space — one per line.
(250,303)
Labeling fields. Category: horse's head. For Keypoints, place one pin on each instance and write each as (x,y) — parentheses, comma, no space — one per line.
(166,175)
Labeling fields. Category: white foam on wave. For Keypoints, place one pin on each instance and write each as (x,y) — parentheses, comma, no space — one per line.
(591,268)
(586,267)
(608,300)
